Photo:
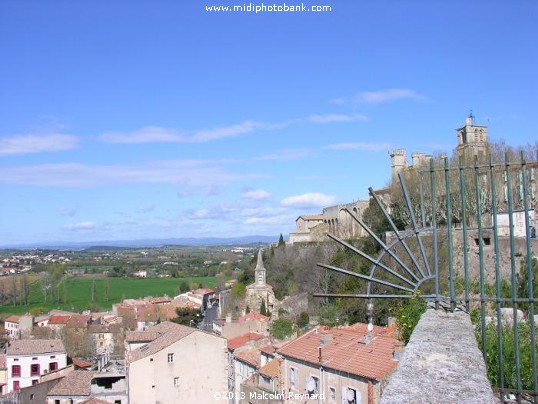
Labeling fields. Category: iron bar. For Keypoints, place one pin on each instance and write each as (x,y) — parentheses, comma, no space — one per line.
(497,273)
(382,244)
(414,223)
(368,278)
(513,268)
(372,261)
(449,229)
(396,232)
(530,274)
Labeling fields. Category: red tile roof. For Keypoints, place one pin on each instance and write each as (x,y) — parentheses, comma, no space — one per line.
(250,356)
(79,321)
(253,316)
(59,319)
(234,343)
(271,369)
(344,349)
(81,363)
(13,319)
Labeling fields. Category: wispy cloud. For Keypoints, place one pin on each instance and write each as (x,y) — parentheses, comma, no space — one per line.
(309,200)
(256,194)
(158,134)
(189,173)
(331,118)
(360,146)
(79,226)
(147,134)
(24,144)
(381,96)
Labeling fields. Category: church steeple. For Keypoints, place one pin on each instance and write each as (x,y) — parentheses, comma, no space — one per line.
(260,270)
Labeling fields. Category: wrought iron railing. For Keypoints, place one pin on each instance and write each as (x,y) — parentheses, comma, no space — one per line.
(463,235)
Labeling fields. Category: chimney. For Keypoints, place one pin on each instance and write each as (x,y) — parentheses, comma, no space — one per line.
(319,354)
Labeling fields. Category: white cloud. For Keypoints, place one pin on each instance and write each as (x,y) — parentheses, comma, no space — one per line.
(188,173)
(147,134)
(377,97)
(226,131)
(24,144)
(359,146)
(330,118)
(309,200)
(256,194)
(79,226)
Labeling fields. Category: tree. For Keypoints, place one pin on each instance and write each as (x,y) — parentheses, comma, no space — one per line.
(184,287)
(281,242)
(281,329)
(303,320)
(186,316)
(263,309)
(106,287)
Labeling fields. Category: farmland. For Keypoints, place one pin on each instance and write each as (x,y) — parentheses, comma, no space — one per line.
(75,293)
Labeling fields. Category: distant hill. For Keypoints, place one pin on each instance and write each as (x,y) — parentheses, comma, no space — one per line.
(61,245)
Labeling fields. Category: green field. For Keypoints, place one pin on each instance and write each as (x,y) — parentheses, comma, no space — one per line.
(78,291)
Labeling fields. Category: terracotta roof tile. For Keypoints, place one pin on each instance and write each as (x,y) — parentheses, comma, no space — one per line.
(81,363)
(13,319)
(234,343)
(34,346)
(250,356)
(79,321)
(343,349)
(75,383)
(271,369)
(253,316)
(59,319)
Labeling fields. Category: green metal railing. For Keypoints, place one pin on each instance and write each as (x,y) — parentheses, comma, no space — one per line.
(468,242)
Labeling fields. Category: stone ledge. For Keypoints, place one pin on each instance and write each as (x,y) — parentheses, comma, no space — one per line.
(441,364)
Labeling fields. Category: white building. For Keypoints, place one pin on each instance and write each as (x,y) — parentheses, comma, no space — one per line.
(28,359)
(172,363)
(11,324)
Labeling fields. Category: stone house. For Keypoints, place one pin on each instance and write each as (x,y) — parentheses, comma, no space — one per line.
(171,363)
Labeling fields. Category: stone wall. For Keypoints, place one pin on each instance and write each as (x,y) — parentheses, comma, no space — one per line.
(441,364)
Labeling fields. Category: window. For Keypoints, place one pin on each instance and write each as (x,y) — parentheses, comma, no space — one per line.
(350,396)
(16,385)
(332,393)
(312,385)
(176,381)
(16,371)
(34,369)
(170,358)
(35,381)
(53,366)
(294,378)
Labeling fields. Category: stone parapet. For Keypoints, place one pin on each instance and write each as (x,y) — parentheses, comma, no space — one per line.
(441,364)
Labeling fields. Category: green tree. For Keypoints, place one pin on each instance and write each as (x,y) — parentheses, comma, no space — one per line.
(263,309)
(281,242)
(238,291)
(186,316)
(184,287)
(303,319)
(281,329)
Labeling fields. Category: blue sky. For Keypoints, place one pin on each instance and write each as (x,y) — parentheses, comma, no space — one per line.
(148,119)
